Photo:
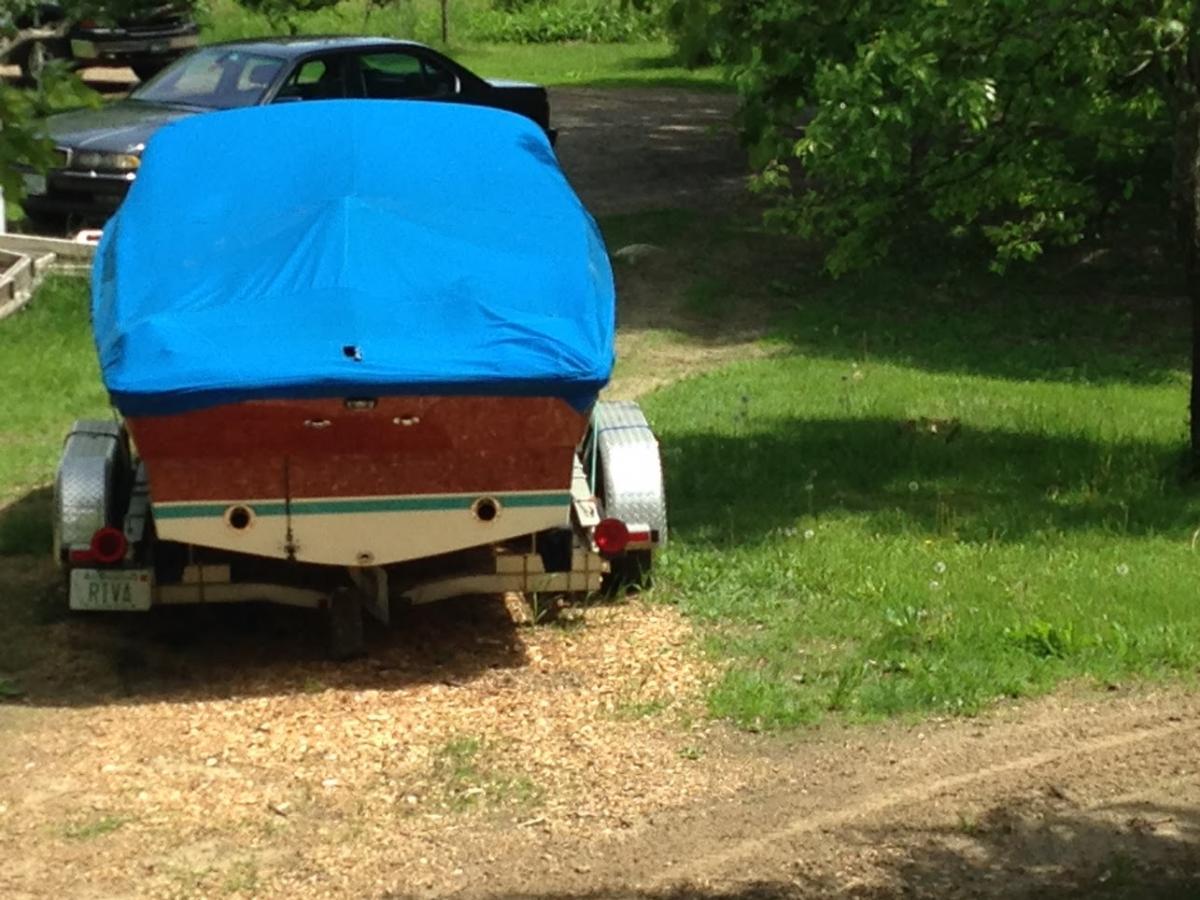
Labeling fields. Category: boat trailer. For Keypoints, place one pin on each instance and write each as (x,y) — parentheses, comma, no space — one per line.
(105,540)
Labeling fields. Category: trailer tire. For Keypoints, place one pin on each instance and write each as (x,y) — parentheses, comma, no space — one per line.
(628,573)
(345,614)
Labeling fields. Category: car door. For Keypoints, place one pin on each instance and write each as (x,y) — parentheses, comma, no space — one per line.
(399,74)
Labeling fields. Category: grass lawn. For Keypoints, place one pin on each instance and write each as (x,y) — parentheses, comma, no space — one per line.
(49,370)
(932,493)
(647,63)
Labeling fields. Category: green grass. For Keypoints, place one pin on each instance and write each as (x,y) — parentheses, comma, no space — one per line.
(50,376)
(649,63)
(226,20)
(938,492)
(90,829)
(242,877)
(466,777)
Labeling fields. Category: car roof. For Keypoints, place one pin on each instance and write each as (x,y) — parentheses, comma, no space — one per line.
(302,45)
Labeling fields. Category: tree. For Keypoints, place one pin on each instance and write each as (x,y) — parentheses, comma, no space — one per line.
(23,146)
(1014,124)
(282,13)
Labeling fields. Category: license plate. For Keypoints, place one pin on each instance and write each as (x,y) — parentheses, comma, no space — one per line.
(34,184)
(117,589)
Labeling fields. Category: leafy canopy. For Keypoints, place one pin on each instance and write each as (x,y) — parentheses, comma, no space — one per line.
(1014,122)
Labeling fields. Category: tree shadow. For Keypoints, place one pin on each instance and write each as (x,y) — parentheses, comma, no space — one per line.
(25,524)
(626,150)
(1092,326)
(926,476)
(1105,313)
(1132,851)
(1031,849)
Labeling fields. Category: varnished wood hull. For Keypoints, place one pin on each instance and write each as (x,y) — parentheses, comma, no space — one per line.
(360,482)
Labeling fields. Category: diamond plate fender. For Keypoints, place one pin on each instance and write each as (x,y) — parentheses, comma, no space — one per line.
(91,472)
(627,470)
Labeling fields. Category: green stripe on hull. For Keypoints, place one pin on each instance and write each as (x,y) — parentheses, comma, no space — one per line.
(359,505)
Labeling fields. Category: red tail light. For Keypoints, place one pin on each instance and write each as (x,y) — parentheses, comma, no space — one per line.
(109,545)
(88,23)
(611,536)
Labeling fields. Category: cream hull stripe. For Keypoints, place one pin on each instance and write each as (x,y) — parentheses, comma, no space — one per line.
(346,539)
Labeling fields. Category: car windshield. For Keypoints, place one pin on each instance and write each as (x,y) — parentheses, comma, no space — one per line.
(214,77)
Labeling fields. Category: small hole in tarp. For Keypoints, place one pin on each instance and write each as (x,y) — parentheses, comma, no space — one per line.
(351,351)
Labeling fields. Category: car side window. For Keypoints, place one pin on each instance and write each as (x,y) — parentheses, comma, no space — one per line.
(314,79)
(404,76)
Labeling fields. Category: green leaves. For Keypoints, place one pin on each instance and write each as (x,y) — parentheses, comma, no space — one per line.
(23,146)
(1006,124)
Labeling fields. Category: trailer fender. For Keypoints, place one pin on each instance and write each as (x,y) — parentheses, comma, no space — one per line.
(626,468)
(92,476)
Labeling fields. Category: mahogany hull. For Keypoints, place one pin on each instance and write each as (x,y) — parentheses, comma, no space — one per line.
(360,481)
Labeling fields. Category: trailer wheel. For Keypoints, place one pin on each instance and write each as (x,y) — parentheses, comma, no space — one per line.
(345,613)
(629,574)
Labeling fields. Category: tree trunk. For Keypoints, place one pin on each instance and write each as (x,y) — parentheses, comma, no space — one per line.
(1187,165)
(1186,200)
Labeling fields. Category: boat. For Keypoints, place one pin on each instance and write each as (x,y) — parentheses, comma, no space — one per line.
(383,349)
(358,334)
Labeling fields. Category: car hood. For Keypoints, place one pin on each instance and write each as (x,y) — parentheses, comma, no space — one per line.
(114,128)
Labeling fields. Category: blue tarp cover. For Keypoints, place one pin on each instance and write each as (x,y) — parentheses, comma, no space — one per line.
(342,248)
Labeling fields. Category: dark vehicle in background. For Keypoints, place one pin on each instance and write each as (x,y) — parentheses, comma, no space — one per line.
(145,37)
(99,150)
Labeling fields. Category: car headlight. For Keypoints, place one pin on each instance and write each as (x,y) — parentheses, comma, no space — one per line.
(109,162)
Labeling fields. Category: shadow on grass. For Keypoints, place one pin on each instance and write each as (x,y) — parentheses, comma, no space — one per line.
(1147,852)
(1091,315)
(25,525)
(979,484)
(1083,330)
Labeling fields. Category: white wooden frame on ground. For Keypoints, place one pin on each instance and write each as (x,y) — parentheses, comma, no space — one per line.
(25,259)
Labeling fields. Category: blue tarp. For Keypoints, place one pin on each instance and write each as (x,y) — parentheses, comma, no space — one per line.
(345,248)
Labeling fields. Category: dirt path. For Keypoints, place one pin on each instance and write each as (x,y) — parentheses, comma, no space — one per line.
(213,753)
(654,148)
(352,793)
(1083,794)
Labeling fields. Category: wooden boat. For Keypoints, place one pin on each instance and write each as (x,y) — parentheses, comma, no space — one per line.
(369,343)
